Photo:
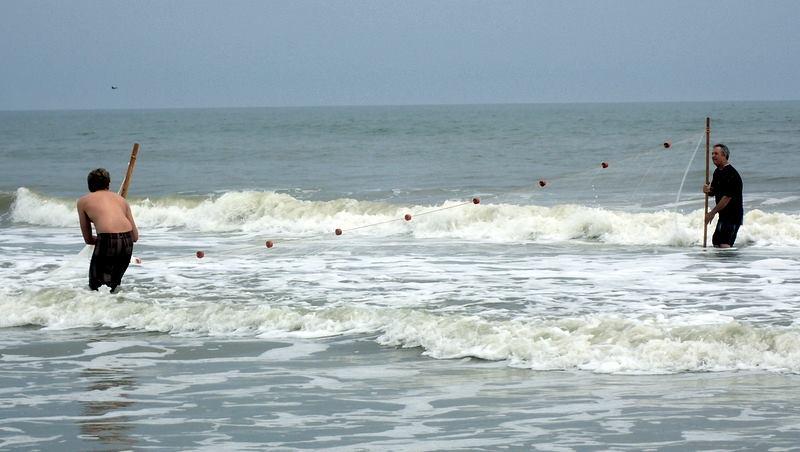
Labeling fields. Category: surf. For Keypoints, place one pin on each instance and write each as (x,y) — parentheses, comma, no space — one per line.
(278,216)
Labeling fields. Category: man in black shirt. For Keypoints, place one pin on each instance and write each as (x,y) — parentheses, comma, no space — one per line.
(726,187)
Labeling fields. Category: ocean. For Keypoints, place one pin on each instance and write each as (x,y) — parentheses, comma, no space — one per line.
(506,277)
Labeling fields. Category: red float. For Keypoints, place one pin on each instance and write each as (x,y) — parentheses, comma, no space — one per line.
(338,231)
(269,244)
(407,217)
(667,145)
(200,254)
(604,165)
(542,182)
(476,201)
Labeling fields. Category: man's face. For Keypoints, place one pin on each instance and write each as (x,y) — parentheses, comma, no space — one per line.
(718,157)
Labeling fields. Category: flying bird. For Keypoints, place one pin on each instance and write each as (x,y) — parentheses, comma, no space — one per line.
(114,87)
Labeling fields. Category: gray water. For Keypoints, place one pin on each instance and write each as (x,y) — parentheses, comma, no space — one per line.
(582,315)
(367,152)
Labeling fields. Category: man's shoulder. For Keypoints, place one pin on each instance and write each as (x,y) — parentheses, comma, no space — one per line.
(729,172)
(733,173)
(98,196)
(83,200)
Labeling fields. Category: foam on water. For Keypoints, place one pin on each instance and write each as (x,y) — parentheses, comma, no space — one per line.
(779,201)
(598,274)
(279,215)
(604,343)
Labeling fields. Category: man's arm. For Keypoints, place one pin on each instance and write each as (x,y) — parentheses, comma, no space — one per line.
(86,225)
(720,205)
(129,215)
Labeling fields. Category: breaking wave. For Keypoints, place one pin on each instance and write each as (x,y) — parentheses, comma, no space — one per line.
(602,343)
(277,214)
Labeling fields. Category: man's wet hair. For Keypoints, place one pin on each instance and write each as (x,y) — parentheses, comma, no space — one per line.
(725,150)
(98,179)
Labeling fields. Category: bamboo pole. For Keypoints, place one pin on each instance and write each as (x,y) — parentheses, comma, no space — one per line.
(708,154)
(123,189)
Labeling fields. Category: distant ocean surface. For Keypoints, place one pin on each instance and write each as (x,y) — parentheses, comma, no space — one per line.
(508,277)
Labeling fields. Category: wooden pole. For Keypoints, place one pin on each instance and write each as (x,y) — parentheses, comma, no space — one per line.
(123,189)
(708,154)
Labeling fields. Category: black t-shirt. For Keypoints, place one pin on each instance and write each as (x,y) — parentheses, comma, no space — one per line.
(727,182)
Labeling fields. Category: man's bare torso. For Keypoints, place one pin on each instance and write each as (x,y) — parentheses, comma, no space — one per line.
(107,210)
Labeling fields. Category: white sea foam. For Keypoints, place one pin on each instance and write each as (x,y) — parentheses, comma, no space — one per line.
(32,208)
(779,201)
(604,343)
(280,215)
(26,440)
(294,351)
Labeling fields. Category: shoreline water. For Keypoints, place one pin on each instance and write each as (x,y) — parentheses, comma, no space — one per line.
(579,315)
(128,391)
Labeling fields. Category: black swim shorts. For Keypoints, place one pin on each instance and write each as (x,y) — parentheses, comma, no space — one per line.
(725,233)
(112,254)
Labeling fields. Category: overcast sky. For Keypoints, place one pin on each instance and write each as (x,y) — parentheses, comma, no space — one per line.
(68,54)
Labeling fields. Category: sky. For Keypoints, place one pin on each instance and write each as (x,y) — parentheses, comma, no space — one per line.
(57,54)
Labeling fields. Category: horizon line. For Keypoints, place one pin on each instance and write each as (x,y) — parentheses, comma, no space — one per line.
(455,104)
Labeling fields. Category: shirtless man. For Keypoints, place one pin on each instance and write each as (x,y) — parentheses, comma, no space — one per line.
(116,231)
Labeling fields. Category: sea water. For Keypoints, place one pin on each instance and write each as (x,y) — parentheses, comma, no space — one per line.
(549,291)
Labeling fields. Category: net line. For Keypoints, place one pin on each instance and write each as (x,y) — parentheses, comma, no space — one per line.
(590,174)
